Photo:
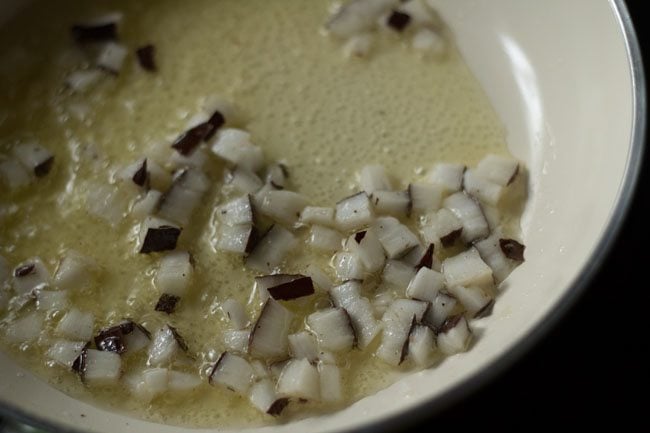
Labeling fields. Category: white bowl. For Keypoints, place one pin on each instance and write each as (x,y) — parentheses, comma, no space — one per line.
(567,82)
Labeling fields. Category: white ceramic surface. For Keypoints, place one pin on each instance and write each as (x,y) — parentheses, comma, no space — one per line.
(560,74)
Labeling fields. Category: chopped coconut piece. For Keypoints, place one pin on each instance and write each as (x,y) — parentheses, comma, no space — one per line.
(482,189)
(395,237)
(325,239)
(232,372)
(368,248)
(421,256)
(179,381)
(476,300)
(454,335)
(333,329)
(136,337)
(111,57)
(174,273)
(422,343)
(354,212)
(303,345)
(467,269)
(491,252)
(299,379)
(398,274)
(397,322)
(396,203)
(47,300)
(319,277)
(317,215)
(286,286)
(35,157)
(425,197)
(234,311)
(469,212)
(443,226)
(234,146)
(76,271)
(236,340)
(164,346)
(14,174)
(239,239)
(277,175)
(264,398)
(498,169)
(29,275)
(358,45)
(148,383)
(101,367)
(348,266)
(364,323)
(147,205)
(269,337)
(76,325)
(136,173)
(185,194)
(331,387)
(271,249)
(236,211)
(281,205)
(65,352)
(243,181)
(197,159)
(448,176)
(441,309)
(159,178)
(157,235)
(26,328)
(425,285)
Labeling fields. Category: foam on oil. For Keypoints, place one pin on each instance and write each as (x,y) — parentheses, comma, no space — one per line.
(324,115)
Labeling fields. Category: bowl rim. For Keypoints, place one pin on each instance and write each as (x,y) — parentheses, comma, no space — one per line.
(500,364)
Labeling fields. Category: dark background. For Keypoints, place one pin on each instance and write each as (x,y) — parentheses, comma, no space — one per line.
(594,367)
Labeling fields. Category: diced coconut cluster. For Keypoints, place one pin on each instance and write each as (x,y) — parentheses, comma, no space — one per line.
(410,269)
(357,23)
(412,261)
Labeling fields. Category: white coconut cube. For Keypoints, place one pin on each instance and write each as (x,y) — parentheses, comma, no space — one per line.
(467,269)
(299,379)
(65,352)
(76,271)
(102,367)
(425,285)
(354,212)
(331,386)
(25,329)
(76,325)
(174,273)
(232,372)
(332,328)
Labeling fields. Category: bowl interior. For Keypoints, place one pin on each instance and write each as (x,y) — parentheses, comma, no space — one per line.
(559,75)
